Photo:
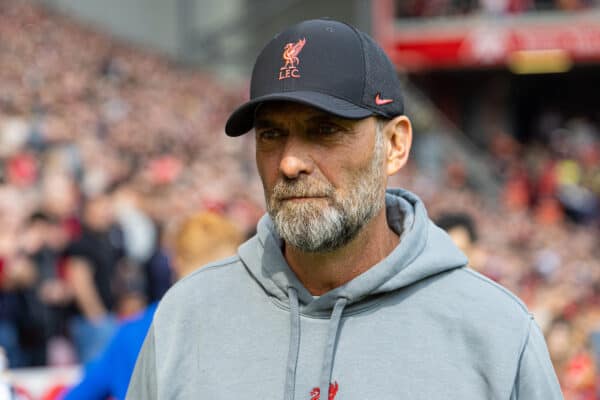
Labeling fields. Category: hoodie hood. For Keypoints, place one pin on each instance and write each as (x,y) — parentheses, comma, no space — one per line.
(424,250)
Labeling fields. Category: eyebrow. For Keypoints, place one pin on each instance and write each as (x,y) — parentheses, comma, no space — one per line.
(342,122)
(265,123)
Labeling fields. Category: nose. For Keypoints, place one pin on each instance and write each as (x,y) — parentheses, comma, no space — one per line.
(295,160)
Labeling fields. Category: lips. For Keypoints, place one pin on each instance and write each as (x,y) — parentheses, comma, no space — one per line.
(303,197)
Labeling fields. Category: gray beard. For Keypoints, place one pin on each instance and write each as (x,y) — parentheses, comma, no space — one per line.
(317,228)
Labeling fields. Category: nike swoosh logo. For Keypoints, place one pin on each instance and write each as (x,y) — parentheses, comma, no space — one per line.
(380,102)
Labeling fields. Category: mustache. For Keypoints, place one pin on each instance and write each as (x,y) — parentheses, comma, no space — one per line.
(303,188)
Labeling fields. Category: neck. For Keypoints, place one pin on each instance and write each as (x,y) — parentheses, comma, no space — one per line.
(322,272)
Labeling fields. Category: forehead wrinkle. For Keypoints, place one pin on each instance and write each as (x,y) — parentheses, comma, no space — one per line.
(285,109)
(325,117)
(262,122)
(282,122)
(283,118)
(304,118)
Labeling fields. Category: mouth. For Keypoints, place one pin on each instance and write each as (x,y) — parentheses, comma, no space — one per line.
(303,198)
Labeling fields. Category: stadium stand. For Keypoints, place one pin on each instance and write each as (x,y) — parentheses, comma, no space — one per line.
(89,123)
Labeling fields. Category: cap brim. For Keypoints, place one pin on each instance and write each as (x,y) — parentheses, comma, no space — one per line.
(242,119)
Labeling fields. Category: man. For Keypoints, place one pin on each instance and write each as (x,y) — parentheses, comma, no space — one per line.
(346,291)
(89,268)
(462,230)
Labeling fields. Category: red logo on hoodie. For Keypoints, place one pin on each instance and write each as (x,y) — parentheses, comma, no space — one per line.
(315,394)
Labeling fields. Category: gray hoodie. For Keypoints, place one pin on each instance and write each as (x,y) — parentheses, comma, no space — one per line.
(418,325)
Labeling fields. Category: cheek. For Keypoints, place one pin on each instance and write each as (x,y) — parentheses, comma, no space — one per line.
(344,167)
(268,169)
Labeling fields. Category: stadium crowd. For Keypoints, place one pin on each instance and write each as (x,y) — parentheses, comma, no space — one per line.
(103,148)
(557,174)
(444,8)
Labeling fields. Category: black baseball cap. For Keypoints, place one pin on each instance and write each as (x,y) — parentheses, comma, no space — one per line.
(326,64)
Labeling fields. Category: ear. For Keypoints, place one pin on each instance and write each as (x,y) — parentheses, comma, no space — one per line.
(398,135)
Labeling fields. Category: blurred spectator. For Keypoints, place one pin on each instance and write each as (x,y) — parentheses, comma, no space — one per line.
(198,240)
(43,306)
(142,242)
(201,239)
(90,266)
(17,273)
(461,229)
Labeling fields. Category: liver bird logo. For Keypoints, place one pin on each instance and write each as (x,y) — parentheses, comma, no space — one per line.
(315,394)
(290,54)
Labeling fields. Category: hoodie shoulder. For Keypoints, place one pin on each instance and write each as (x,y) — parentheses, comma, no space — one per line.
(495,302)
(220,265)
(497,289)
(205,281)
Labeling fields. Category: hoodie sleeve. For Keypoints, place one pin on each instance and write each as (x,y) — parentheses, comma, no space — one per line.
(536,379)
(143,380)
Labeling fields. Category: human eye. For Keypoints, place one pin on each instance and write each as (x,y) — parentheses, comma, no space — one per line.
(327,128)
(269,134)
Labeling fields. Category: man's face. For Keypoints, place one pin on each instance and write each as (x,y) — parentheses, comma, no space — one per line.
(323,176)
(98,213)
